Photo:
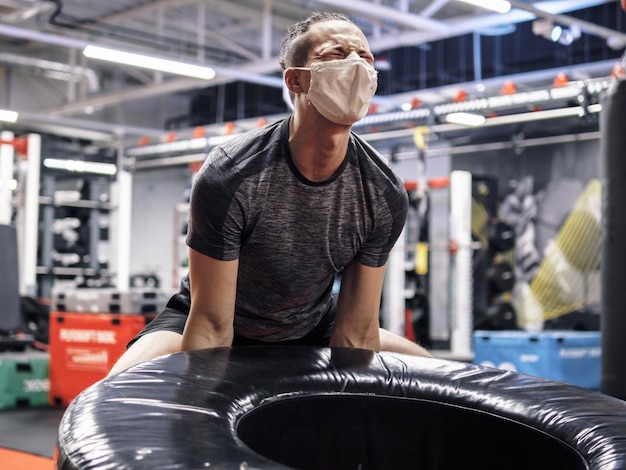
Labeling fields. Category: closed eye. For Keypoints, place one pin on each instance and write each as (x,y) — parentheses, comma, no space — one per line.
(369,57)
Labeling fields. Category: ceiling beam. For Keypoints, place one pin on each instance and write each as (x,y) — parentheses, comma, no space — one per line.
(433,7)
(372,10)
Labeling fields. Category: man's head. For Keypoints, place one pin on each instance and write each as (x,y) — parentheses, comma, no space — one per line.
(332,42)
(295,45)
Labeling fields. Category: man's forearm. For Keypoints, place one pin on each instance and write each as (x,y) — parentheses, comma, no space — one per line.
(356,321)
(213,292)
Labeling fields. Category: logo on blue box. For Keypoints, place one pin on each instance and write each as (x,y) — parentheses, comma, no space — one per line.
(567,356)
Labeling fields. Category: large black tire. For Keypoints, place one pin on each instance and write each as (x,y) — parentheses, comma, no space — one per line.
(310,408)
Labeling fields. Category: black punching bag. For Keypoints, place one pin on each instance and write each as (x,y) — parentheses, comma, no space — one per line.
(613,323)
(10,313)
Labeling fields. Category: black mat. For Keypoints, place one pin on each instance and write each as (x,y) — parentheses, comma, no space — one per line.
(32,430)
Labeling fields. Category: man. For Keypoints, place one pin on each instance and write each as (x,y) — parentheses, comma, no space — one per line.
(277,213)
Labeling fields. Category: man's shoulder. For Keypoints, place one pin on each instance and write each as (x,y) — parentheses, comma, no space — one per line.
(243,156)
(372,160)
(253,142)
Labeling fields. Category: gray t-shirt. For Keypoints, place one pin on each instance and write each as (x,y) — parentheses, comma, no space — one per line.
(291,235)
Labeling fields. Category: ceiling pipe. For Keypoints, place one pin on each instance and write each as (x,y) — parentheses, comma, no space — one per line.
(446,151)
(186,158)
(15,12)
(483,147)
(80,128)
(38,36)
(433,8)
(380,12)
(61,71)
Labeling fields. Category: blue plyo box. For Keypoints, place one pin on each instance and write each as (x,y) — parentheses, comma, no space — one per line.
(572,357)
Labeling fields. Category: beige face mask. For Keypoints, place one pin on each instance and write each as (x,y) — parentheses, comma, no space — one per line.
(341,90)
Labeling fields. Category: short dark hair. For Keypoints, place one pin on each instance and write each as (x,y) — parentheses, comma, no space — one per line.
(294,52)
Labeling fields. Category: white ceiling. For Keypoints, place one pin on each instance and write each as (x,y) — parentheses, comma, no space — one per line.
(44,39)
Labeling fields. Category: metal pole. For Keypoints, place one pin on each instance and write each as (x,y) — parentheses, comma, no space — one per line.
(121,200)
(6,175)
(394,297)
(47,238)
(28,266)
(461,263)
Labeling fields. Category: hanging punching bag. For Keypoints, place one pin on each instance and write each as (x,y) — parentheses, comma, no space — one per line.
(613,261)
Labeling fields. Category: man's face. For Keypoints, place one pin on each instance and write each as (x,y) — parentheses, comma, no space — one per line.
(329,41)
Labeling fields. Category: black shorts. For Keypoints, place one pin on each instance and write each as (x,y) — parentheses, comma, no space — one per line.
(174,316)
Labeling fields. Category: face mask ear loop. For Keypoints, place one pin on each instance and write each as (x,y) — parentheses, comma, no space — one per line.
(287,95)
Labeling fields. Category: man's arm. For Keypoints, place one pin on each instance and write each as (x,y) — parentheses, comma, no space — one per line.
(213,291)
(358,305)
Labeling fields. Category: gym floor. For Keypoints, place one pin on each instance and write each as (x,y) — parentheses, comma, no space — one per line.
(32,430)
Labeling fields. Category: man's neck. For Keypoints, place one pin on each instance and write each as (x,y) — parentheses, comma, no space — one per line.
(317,147)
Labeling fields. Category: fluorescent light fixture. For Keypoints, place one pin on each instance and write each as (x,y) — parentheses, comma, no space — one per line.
(8,116)
(499,6)
(149,62)
(80,166)
(465,119)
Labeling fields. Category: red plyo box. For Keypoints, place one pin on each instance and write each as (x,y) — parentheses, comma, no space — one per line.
(84,347)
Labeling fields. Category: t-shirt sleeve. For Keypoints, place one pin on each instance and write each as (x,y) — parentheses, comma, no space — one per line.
(216,214)
(388,225)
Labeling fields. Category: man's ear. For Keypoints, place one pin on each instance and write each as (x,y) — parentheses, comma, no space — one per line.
(292,79)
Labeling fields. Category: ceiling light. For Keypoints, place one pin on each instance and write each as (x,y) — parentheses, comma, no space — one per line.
(555,32)
(565,36)
(149,62)
(499,6)
(465,119)
(8,116)
(80,166)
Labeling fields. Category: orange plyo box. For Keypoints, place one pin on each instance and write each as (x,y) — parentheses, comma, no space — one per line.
(84,347)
